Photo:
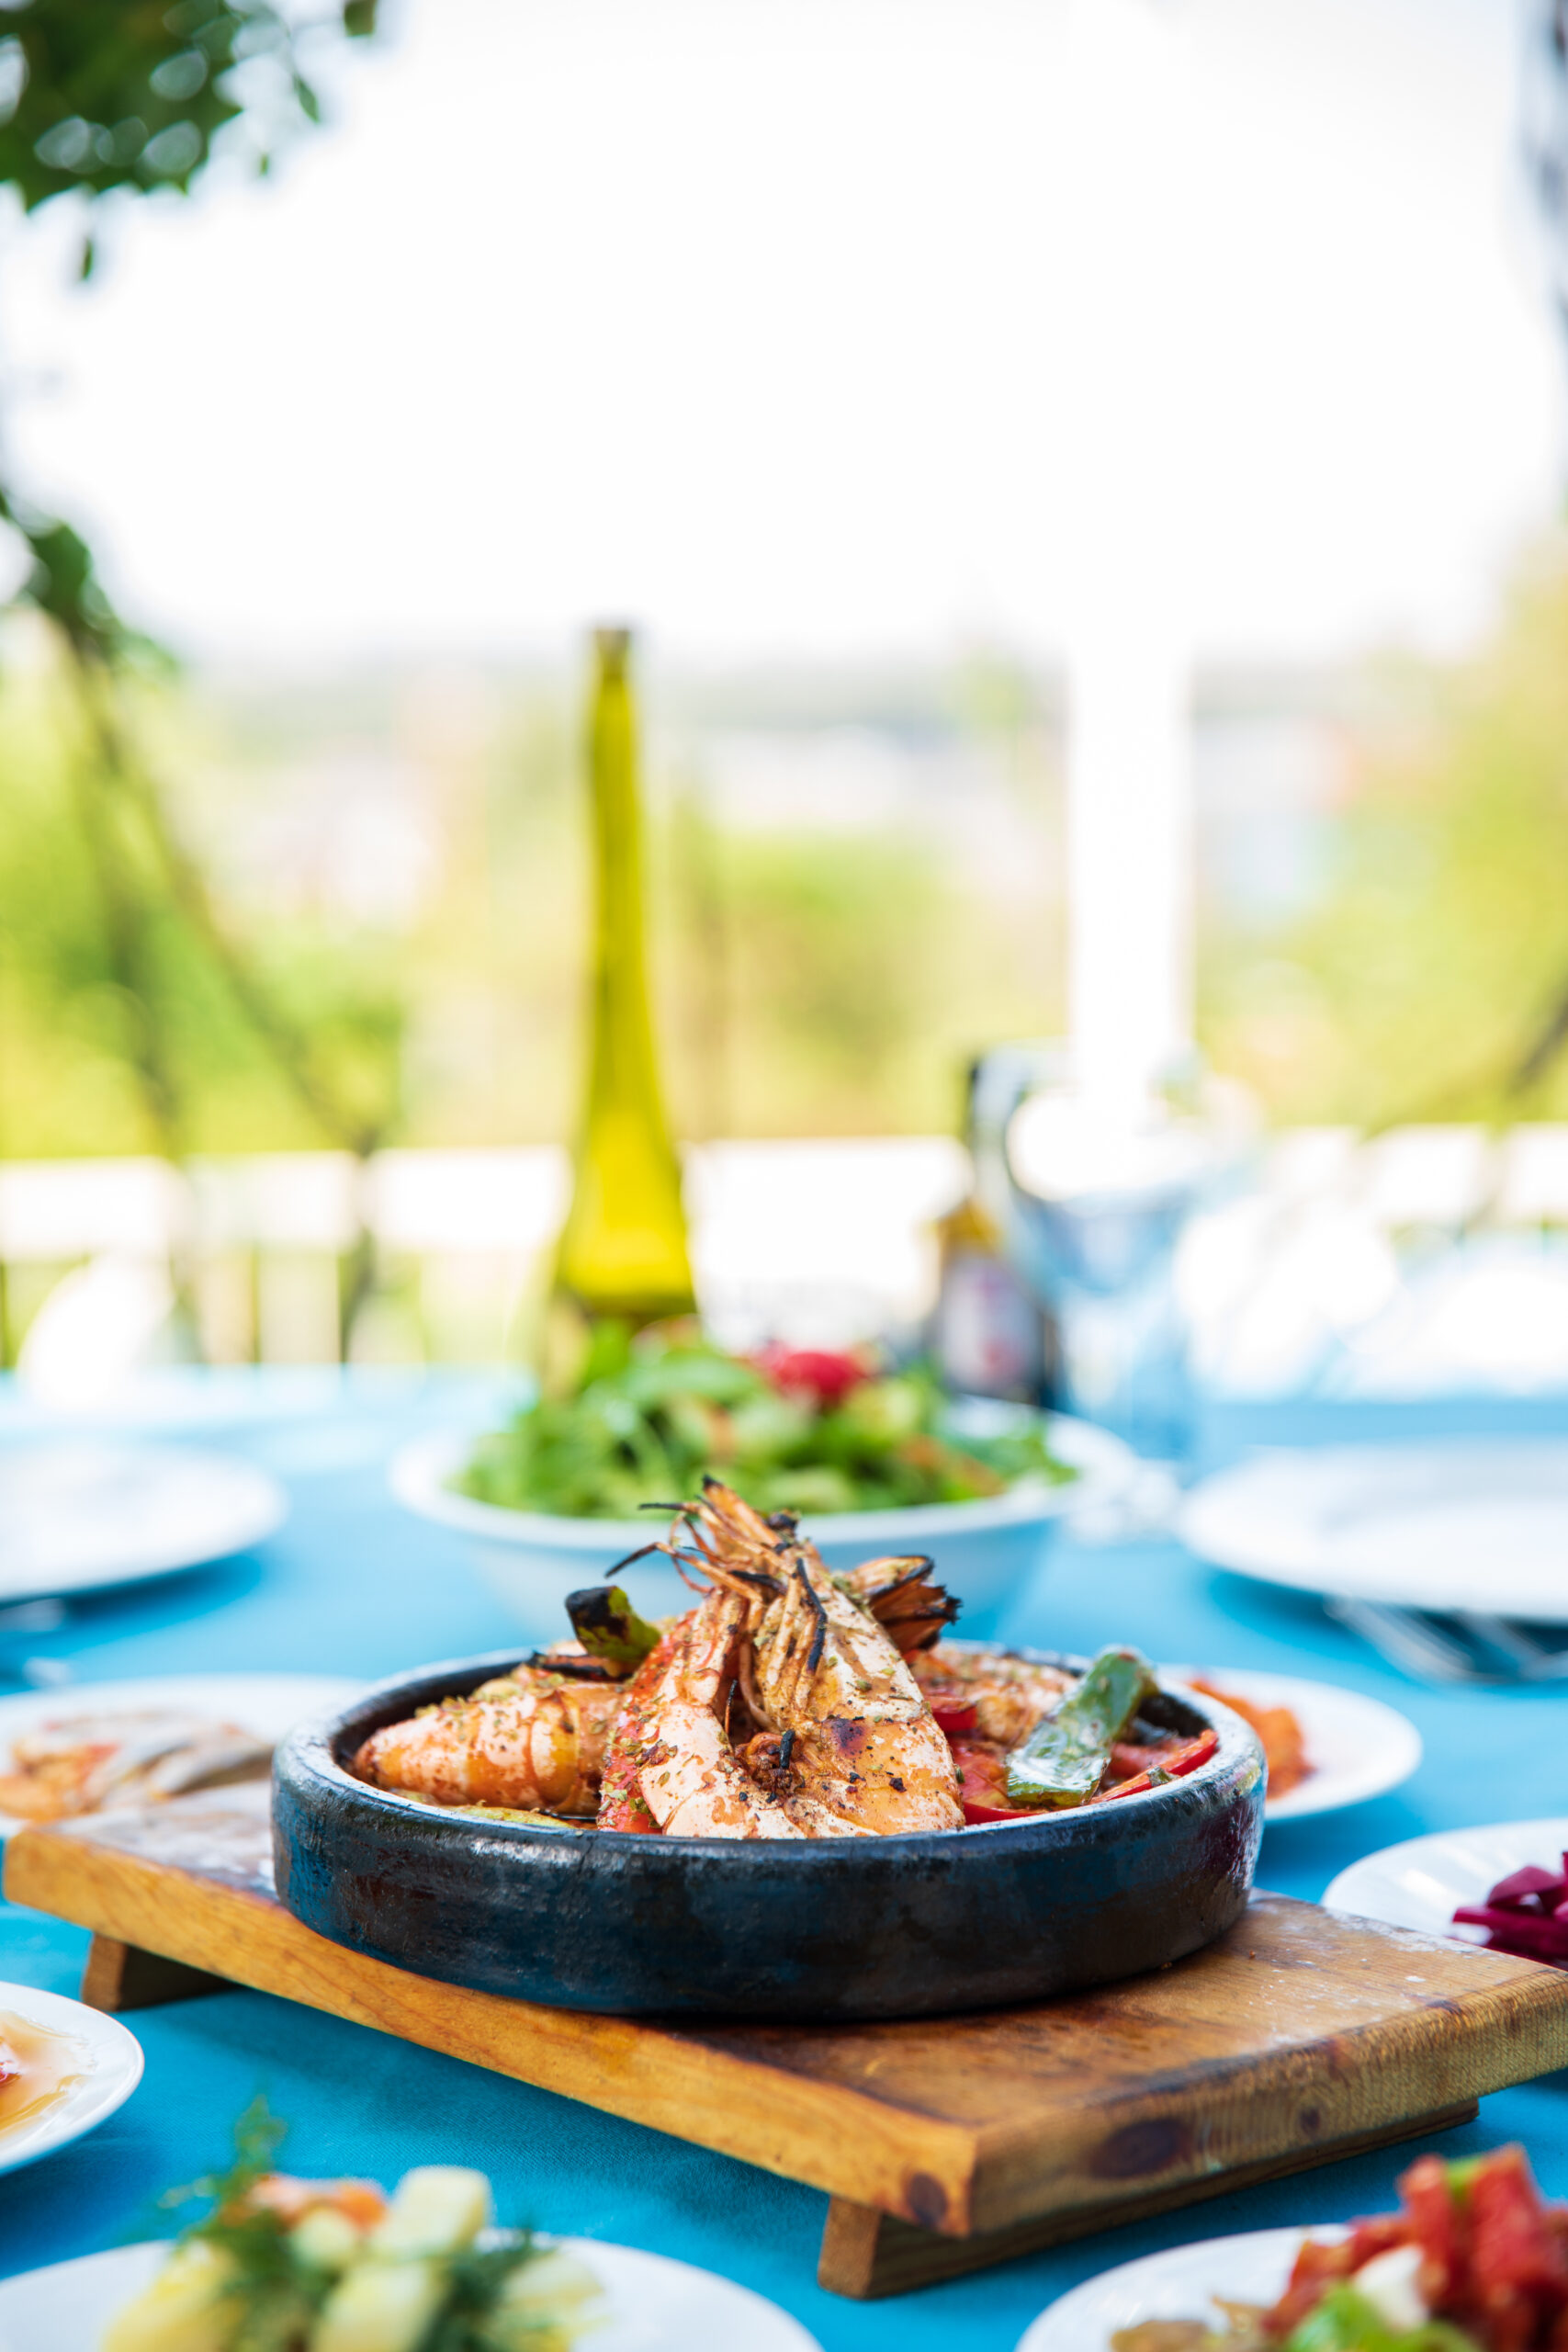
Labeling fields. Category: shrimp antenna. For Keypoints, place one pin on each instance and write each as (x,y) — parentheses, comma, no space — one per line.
(641,1554)
(813,1655)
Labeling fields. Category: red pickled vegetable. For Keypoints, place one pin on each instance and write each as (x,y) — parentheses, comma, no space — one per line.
(1525,1914)
(1519,1884)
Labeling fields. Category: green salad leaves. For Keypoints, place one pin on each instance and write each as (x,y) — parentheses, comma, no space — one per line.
(802,1428)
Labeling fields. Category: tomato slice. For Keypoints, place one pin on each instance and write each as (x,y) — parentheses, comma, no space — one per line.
(953,1716)
(1173,1766)
(982,1785)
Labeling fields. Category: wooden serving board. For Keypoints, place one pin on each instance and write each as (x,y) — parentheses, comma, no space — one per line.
(944,2143)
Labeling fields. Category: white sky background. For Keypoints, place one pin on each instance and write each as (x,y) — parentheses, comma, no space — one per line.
(754,320)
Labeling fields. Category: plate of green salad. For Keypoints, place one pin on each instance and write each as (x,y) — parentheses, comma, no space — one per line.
(876,1456)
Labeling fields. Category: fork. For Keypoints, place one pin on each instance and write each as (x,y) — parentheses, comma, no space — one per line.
(1408,1641)
(1471,1646)
(1532,1661)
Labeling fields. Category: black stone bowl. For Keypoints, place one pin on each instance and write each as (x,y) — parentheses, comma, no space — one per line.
(831,1928)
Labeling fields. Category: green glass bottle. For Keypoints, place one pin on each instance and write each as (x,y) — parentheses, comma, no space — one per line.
(623,1249)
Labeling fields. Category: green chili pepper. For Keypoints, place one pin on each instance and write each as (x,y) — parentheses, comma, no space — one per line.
(609,1627)
(1063,1761)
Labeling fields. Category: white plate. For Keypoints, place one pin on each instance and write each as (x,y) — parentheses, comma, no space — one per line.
(1470,1523)
(657,2305)
(421,1471)
(267,1704)
(1357,1746)
(77,1513)
(110,2070)
(1421,1882)
(1178,2284)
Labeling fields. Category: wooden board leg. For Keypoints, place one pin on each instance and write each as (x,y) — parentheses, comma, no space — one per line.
(868,2254)
(123,1976)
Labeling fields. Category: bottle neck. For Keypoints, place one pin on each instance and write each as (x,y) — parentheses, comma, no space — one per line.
(623,1249)
(623,1041)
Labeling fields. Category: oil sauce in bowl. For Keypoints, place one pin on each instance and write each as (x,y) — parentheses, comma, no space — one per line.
(36,2068)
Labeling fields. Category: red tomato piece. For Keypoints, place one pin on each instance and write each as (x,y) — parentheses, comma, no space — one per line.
(1438,2227)
(954,1715)
(1378,2234)
(1317,2269)
(983,1784)
(826,1374)
(1518,2279)
(1174,1765)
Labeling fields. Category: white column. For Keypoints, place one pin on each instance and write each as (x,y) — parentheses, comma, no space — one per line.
(1125,342)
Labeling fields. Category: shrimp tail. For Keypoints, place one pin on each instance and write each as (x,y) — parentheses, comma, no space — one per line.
(904,1596)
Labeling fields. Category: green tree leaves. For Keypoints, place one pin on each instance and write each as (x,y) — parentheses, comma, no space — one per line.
(98,96)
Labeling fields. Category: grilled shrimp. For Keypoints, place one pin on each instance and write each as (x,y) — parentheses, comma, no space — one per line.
(530,1740)
(1009,1695)
(671,1752)
(854,1731)
(904,1596)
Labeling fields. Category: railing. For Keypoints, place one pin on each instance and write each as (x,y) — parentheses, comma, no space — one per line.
(1424,1257)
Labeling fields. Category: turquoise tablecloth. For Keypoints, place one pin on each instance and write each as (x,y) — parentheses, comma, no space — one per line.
(351,1586)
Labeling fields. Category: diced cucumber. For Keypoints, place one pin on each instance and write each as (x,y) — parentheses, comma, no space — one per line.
(436,2209)
(184,2309)
(380,2306)
(326,2239)
(551,2283)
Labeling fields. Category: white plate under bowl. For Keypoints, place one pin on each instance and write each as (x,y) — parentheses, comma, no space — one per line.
(1178,2284)
(657,2305)
(1462,1524)
(982,1550)
(1357,1746)
(77,1513)
(110,2070)
(1421,1882)
(267,1704)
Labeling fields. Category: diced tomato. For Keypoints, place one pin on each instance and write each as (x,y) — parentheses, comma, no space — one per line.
(1518,2279)
(983,1784)
(1379,2234)
(952,1713)
(1317,2268)
(1440,2229)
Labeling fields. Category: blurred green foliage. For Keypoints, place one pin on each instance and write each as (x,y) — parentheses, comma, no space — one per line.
(1428,982)
(103,95)
(130,1006)
(78,1022)
(809,982)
